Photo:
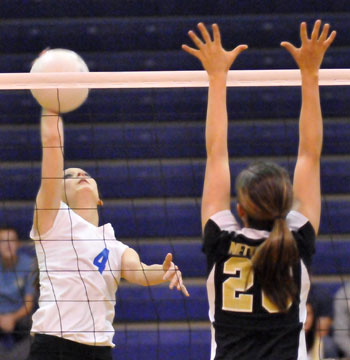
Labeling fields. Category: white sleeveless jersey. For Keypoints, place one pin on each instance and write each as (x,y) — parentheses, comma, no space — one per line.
(80,267)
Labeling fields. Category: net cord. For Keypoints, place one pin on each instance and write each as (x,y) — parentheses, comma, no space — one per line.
(164,79)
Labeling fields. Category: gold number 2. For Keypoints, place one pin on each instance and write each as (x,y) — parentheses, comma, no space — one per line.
(233,297)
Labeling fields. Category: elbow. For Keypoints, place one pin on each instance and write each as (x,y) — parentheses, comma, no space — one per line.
(311,148)
(135,274)
(140,280)
(312,154)
(217,152)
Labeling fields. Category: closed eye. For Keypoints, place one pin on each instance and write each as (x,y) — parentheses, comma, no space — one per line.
(70,176)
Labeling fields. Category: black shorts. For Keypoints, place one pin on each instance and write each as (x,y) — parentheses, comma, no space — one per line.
(45,347)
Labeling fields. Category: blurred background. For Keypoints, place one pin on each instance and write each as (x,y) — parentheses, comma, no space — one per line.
(145,147)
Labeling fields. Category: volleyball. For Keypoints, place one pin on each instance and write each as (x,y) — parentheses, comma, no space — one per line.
(59,100)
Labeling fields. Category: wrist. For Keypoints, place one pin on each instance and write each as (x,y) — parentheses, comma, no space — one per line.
(312,75)
(163,275)
(217,77)
(46,112)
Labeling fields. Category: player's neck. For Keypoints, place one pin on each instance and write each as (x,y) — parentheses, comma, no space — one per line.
(90,215)
(87,210)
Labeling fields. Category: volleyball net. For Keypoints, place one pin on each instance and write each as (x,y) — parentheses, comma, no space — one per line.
(141,136)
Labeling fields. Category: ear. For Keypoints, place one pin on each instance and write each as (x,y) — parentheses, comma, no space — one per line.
(242,214)
(240,211)
(99,202)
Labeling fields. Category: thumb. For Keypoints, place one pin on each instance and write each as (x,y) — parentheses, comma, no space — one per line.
(289,47)
(237,50)
(240,48)
(167,261)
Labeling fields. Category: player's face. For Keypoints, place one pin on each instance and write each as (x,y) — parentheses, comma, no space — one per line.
(77,181)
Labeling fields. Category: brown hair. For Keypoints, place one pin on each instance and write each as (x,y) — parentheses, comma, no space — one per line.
(265,193)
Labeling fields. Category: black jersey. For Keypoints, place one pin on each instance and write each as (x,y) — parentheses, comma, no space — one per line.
(245,323)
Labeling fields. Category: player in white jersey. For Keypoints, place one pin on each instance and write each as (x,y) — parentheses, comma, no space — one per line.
(258,275)
(80,262)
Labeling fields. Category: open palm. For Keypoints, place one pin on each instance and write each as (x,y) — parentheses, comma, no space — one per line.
(214,58)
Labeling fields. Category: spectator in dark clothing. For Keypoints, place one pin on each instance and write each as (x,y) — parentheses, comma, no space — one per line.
(17,297)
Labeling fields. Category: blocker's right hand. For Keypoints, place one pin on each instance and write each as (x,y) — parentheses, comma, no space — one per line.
(214,58)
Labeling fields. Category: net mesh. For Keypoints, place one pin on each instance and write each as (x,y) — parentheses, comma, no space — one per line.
(145,148)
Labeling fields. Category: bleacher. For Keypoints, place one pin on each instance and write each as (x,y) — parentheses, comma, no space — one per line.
(146,147)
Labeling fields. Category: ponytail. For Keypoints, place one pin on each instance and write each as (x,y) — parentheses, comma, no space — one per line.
(273,263)
(265,193)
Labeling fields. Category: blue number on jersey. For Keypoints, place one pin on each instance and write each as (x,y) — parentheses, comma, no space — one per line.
(101,259)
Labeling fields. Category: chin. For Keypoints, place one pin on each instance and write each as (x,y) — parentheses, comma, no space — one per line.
(87,192)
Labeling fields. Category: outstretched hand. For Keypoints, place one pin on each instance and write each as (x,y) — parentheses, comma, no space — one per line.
(173,274)
(310,54)
(214,58)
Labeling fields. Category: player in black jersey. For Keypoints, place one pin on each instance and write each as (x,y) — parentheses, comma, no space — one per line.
(258,277)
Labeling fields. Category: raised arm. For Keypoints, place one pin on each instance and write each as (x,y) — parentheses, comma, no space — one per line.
(49,195)
(306,184)
(217,62)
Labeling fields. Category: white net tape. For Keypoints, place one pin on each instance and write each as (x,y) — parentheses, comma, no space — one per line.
(164,79)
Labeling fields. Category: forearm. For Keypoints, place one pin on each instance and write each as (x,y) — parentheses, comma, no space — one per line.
(217,179)
(147,275)
(51,129)
(134,271)
(310,124)
(217,122)
(52,140)
(26,309)
(49,194)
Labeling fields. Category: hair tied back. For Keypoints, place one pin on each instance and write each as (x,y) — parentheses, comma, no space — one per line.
(279,217)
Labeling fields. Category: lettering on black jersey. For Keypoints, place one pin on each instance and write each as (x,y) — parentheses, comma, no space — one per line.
(242,250)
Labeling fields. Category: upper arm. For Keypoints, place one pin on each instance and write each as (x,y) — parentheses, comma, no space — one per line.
(49,194)
(217,187)
(131,265)
(307,188)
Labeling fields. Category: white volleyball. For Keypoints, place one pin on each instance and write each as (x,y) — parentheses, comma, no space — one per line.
(59,100)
